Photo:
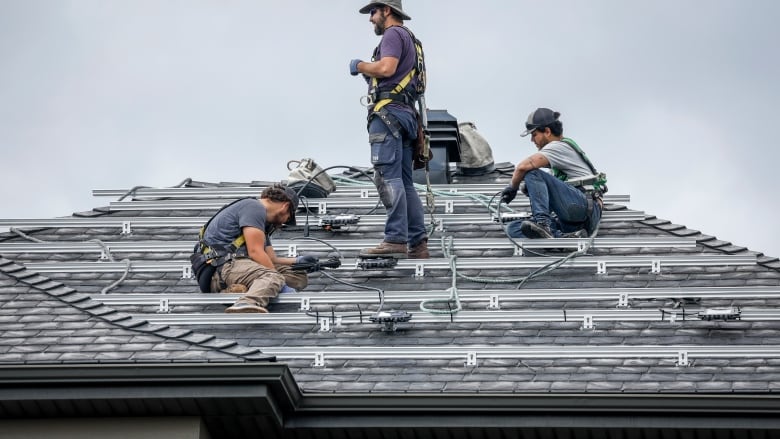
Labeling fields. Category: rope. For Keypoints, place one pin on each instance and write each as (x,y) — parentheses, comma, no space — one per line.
(24,235)
(132,191)
(107,251)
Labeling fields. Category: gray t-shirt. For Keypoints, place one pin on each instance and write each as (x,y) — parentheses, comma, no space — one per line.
(564,157)
(227,225)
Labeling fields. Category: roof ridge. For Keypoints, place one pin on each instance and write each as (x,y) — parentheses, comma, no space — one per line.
(84,303)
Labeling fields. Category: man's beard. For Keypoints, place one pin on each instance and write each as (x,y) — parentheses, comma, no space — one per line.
(379,26)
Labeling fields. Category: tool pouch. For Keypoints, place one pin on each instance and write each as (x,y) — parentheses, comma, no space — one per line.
(203,271)
(307,170)
(422,147)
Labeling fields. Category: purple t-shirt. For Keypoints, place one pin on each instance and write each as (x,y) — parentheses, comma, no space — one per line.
(397,42)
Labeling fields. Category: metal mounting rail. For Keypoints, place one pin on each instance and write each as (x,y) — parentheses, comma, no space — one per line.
(294,247)
(479,352)
(77,222)
(319,203)
(197,222)
(496,296)
(601,263)
(253,191)
(594,316)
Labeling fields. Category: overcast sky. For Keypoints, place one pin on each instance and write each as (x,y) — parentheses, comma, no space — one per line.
(675,100)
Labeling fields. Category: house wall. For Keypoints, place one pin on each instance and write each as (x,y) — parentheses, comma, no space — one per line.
(105,428)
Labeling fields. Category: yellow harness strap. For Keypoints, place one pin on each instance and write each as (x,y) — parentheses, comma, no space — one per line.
(397,89)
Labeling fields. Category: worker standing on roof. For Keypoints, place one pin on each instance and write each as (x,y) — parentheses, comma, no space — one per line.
(392,77)
(566,203)
(236,243)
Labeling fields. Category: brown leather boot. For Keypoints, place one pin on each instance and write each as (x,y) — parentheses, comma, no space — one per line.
(419,251)
(385,250)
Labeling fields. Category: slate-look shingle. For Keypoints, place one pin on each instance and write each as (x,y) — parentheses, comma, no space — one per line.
(54,317)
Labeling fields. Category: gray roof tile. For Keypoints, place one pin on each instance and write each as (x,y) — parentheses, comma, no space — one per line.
(115,336)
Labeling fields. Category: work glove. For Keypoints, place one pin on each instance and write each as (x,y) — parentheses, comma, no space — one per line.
(353,69)
(307,263)
(508,194)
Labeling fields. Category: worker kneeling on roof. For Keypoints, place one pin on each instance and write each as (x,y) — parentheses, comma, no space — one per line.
(234,253)
(566,203)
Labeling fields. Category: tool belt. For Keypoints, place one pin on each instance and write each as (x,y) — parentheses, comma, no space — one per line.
(207,260)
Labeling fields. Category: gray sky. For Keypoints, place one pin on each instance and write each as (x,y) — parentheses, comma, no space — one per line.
(674,100)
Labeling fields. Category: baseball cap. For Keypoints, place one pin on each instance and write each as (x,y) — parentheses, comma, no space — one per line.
(541,117)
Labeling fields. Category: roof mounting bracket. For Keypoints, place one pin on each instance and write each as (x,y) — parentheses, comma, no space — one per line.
(655,266)
(471,359)
(449,206)
(165,306)
(325,324)
(453,190)
(305,304)
(186,272)
(673,317)
(623,301)
(322,208)
(580,246)
(319,359)
(682,359)
(419,270)
(587,322)
(126,229)
(519,248)
(103,254)
(292,250)
(493,304)
(439,224)
(363,193)
(601,267)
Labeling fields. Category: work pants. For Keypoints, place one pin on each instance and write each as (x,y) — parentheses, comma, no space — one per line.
(392,160)
(549,195)
(262,283)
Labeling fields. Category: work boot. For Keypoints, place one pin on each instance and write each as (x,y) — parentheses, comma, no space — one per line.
(385,249)
(246,307)
(581,233)
(419,251)
(533,230)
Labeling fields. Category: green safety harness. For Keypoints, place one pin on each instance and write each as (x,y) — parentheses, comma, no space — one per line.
(595,184)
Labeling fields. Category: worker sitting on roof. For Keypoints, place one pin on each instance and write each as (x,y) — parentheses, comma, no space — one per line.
(566,203)
(237,241)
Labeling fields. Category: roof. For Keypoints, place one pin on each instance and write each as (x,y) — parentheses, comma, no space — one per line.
(650,308)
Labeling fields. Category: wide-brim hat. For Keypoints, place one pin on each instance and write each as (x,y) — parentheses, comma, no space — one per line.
(394,5)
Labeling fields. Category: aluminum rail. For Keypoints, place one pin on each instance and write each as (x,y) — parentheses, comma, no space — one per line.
(369,190)
(338,318)
(681,353)
(289,247)
(601,263)
(322,204)
(197,222)
(465,295)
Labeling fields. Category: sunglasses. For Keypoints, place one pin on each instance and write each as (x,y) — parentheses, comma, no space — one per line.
(372,11)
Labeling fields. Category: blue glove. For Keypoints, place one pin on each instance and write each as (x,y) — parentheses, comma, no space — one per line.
(508,194)
(353,70)
(286,289)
